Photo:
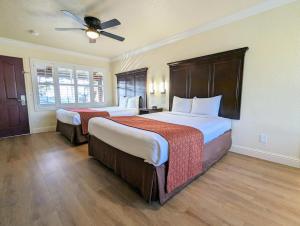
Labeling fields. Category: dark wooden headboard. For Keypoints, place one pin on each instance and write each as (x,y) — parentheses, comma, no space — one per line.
(211,75)
(133,83)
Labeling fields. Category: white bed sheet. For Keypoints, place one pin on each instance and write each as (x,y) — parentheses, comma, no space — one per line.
(150,146)
(73,118)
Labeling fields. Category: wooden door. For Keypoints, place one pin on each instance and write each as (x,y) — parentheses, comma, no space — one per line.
(13,105)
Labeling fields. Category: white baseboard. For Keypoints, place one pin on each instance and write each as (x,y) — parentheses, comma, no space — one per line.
(43,129)
(257,153)
(278,158)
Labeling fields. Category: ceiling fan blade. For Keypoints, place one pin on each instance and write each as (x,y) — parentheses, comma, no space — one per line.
(92,40)
(110,35)
(68,29)
(110,23)
(74,17)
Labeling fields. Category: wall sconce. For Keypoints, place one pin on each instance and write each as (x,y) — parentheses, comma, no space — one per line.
(151,87)
(162,87)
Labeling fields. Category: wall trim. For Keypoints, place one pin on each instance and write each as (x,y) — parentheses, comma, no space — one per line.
(17,43)
(257,153)
(43,129)
(254,10)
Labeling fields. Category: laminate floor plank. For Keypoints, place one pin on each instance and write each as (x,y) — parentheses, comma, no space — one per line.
(46,181)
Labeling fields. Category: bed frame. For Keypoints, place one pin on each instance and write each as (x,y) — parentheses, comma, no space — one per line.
(71,132)
(217,74)
(148,180)
(130,84)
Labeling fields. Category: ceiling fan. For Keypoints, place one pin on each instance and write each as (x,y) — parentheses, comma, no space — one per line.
(93,27)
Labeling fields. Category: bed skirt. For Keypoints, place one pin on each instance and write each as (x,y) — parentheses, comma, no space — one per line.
(72,132)
(149,180)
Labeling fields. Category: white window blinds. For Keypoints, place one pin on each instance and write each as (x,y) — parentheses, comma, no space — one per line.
(57,85)
(83,86)
(98,87)
(66,83)
(45,84)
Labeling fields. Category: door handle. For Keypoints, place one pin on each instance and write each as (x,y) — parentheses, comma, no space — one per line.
(22,100)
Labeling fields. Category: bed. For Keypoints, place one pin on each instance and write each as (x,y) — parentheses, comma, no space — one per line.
(141,157)
(148,145)
(69,123)
(130,84)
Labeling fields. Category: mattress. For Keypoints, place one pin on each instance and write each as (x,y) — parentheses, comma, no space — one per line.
(150,146)
(73,118)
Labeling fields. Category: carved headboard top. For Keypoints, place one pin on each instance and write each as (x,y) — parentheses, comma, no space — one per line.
(211,75)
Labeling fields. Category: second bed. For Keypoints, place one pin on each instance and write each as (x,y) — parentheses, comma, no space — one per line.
(69,122)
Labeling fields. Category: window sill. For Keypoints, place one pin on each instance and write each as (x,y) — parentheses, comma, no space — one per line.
(54,108)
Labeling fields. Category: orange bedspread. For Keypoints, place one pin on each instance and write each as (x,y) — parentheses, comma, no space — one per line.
(86,114)
(185,147)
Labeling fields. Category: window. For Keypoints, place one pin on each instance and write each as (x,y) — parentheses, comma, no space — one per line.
(45,84)
(66,85)
(98,87)
(83,86)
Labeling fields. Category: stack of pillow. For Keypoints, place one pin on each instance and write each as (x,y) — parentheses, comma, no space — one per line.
(129,102)
(199,106)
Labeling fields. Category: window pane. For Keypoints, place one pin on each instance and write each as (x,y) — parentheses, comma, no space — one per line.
(97,79)
(65,76)
(83,77)
(98,94)
(67,94)
(98,87)
(44,74)
(84,94)
(46,94)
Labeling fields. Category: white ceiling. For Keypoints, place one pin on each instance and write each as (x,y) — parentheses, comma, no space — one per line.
(143,21)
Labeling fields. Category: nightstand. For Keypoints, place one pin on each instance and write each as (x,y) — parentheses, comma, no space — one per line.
(144,111)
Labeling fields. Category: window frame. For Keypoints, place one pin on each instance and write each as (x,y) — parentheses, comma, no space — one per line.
(38,107)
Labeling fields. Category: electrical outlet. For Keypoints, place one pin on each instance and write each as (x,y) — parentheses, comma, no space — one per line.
(263,138)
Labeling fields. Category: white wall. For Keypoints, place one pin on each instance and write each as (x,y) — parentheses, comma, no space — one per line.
(271,86)
(271,93)
(41,121)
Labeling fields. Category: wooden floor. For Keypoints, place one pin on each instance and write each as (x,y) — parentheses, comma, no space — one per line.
(45,181)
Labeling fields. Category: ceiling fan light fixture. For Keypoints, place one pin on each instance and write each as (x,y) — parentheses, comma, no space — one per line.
(93,27)
(92,34)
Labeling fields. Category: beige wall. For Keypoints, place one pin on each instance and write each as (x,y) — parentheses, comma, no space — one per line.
(41,121)
(271,88)
(271,93)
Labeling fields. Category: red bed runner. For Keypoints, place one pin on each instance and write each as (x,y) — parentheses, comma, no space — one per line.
(86,114)
(185,147)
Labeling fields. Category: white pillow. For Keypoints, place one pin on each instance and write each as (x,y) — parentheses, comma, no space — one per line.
(182,104)
(133,102)
(206,106)
(123,102)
